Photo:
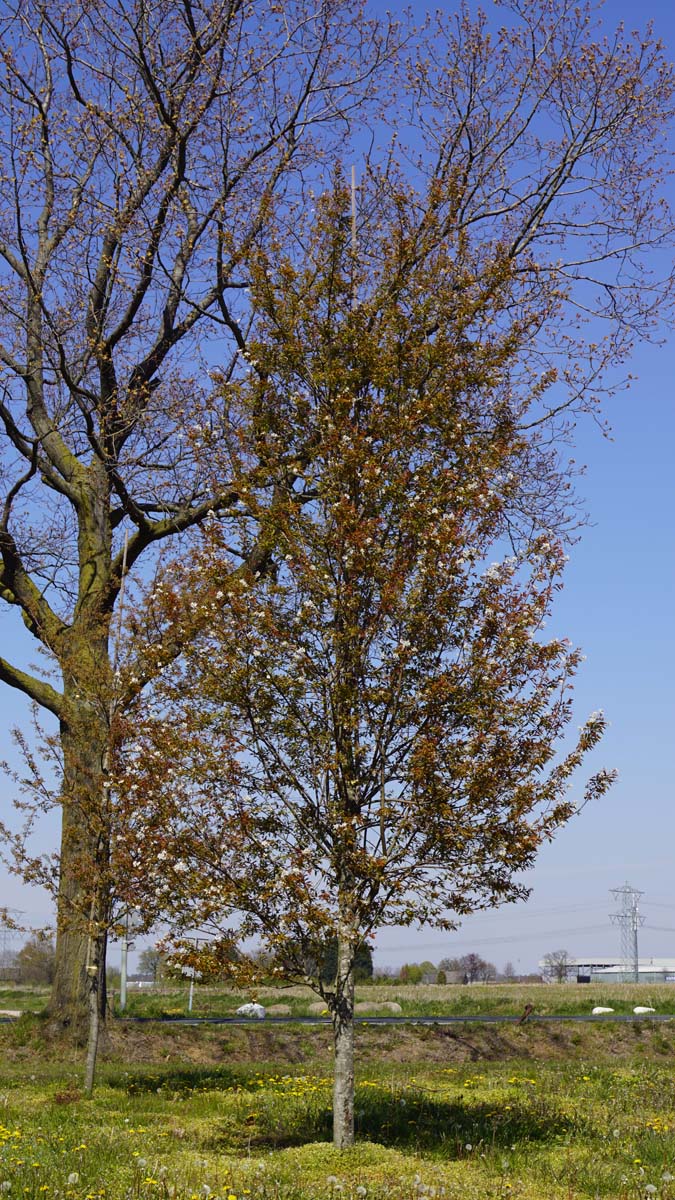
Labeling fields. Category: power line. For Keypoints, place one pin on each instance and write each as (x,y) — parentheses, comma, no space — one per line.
(578,906)
(509,940)
(629,921)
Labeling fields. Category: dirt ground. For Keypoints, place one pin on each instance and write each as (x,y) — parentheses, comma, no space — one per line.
(299,1048)
(302,1046)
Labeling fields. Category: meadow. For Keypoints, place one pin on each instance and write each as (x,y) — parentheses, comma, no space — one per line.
(474,1112)
(171,999)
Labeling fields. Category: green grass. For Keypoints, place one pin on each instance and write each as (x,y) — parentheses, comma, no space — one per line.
(14,996)
(418,1001)
(191,1114)
(415,1001)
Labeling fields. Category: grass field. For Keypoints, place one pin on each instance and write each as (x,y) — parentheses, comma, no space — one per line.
(432,1000)
(419,1000)
(477,1112)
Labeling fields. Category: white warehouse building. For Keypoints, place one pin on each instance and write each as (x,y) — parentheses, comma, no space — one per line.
(613,970)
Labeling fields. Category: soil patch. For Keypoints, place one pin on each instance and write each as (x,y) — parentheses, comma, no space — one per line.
(310,1047)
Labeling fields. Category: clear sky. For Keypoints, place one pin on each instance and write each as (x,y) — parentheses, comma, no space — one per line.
(618,606)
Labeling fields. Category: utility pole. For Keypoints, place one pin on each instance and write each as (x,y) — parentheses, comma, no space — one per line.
(193,973)
(8,933)
(124,964)
(629,919)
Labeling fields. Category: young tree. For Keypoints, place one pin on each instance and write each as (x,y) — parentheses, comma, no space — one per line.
(365,740)
(141,146)
(367,736)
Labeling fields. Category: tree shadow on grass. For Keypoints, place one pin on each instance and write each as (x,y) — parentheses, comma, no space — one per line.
(182,1080)
(448,1126)
(415,1121)
(419,1122)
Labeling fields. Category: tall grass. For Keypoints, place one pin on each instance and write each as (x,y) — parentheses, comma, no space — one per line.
(171,999)
(417,1000)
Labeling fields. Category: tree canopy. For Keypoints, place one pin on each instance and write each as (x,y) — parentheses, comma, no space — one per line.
(367,735)
(185,344)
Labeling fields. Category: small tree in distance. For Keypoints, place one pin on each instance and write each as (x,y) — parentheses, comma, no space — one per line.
(471,967)
(410,973)
(35,960)
(451,966)
(363,962)
(558,965)
(151,962)
(477,969)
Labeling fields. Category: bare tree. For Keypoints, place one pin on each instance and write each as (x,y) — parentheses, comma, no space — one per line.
(476,969)
(558,965)
(151,962)
(142,145)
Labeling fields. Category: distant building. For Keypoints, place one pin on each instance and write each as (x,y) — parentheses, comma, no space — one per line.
(613,970)
(141,981)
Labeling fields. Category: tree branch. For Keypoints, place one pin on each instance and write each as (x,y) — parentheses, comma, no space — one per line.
(18,588)
(36,689)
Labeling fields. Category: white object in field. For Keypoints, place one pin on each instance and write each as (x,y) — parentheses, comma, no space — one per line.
(599,1010)
(640,1009)
(251,1010)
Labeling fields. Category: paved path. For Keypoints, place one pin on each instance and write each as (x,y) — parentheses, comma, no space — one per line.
(479,1019)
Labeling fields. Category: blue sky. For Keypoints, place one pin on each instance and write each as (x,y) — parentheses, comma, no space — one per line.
(618,606)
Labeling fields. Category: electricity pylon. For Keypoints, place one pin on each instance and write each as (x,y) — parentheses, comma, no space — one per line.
(629,919)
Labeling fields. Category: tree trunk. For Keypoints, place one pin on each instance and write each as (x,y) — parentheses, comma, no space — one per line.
(85,842)
(68,1003)
(96,985)
(343,1038)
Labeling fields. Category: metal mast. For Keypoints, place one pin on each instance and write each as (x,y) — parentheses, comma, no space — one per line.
(8,935)
(629,919)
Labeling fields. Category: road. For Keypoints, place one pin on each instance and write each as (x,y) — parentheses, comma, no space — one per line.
(478,1019)
(439,1020)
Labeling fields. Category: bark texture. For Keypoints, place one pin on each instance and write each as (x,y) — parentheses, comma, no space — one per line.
(83,895)
(343,1037)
